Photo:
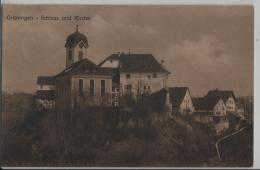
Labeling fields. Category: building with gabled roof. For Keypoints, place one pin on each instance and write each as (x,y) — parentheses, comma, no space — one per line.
(227,96)
(211,110)
(84,83)
(137,73)
(45,93)
(210,105)
(179,98)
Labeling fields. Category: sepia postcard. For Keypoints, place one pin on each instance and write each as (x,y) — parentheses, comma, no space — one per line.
(127,86)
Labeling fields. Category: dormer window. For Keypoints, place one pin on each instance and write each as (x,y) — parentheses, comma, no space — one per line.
(70,55)
(80,55)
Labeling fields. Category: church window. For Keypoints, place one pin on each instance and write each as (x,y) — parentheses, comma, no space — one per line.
(103,87)
(128,76)
(149,76)
(128,88)
(154,75)
(70,55)
(80,87)
(91,88)
(80,55)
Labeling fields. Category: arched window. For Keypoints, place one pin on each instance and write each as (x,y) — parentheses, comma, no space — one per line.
(80,87)
(91,88)
(70,55)
(80,55)
(103,87)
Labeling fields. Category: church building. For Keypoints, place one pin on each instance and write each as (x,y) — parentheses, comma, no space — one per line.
(83,83)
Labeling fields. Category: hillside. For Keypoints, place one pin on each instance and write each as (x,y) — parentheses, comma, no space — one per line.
(134,136)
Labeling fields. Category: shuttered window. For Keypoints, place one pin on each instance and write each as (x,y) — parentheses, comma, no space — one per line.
(80,87)
(103,87)
(91,88)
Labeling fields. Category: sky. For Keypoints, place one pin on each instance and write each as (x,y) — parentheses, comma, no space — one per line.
(204,47)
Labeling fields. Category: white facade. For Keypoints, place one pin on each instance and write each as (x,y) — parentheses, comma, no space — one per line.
(220,111)
(186,104)
(45,87)
(97,84)
(142,82)
(241,112)
(231,104)
(220,108)
(97,98)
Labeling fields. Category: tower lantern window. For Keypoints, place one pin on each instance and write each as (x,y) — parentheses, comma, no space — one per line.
(70,55)
(80,55)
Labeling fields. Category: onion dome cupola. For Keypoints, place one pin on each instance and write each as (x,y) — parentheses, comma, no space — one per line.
(76,47)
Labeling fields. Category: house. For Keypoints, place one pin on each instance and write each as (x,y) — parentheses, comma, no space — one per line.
(45,93)
(45,83)
(228,97)
(181,101)
(179,98)
(210,105)
(136,73)
(211,110)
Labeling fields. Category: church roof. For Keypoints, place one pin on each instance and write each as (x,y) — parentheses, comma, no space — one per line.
(224,94)
(137,63)
(74,38)
(47,80)
(86,67)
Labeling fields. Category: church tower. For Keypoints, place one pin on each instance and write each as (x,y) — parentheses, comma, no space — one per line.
(76,47)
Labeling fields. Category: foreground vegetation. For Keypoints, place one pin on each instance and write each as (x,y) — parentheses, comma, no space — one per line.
(134,136)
